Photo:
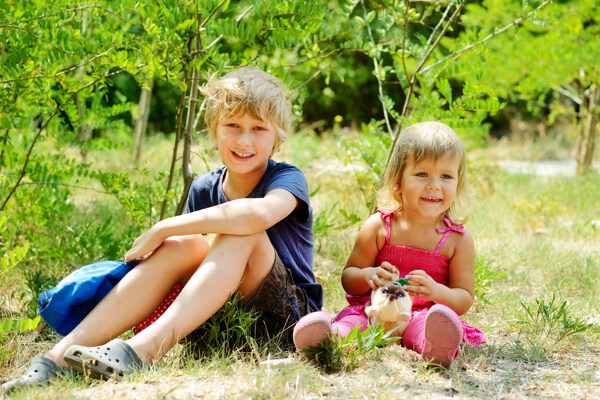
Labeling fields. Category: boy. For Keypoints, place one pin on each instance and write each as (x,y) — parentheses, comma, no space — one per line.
(262,216)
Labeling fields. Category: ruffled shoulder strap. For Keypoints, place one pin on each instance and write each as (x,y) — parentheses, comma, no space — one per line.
(447,231)
(387,218)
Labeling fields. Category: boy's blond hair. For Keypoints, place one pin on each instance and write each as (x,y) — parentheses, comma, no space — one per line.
(424,139)
(248,89)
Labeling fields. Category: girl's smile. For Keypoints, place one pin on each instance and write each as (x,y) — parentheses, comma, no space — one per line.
(428,187)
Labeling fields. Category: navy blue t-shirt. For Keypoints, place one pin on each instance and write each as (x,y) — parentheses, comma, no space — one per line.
(291,237)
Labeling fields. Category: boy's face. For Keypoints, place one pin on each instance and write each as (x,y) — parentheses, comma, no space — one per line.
(428,187)
(245,143)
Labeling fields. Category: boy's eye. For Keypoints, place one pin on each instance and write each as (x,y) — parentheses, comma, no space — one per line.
(422,174)
(446,176)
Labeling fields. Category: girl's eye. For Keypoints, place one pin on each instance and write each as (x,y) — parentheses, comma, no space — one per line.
(422,174)
(446,176)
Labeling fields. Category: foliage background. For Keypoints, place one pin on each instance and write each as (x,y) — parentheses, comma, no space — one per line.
(514,78)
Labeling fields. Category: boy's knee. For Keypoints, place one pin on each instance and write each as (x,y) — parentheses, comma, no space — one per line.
(192,246)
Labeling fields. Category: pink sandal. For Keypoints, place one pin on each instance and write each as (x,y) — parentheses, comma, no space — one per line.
(443,336)
(311,330)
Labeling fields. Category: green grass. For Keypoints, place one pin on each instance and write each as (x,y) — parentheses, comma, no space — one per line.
(537,241)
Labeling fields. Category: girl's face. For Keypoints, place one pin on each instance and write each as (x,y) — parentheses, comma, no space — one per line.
(428,187)
(245,143)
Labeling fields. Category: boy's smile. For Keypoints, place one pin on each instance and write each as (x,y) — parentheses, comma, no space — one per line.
(245,144)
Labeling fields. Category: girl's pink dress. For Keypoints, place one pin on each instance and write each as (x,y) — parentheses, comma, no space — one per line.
(407,259)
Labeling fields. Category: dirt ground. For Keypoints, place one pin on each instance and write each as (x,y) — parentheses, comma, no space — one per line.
(389,373)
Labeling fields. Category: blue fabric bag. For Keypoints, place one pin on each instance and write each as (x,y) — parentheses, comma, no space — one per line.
(66,305)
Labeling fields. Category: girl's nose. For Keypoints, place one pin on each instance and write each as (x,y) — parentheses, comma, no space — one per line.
(433,183)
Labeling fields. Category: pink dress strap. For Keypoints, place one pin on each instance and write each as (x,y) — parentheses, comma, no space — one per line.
(387,218)
(447,231)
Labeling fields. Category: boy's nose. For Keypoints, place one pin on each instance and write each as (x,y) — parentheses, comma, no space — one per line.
(244,137)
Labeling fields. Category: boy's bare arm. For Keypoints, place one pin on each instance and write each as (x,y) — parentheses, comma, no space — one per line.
(236,217)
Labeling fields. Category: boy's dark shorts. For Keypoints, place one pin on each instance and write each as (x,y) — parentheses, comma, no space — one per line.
(281,304)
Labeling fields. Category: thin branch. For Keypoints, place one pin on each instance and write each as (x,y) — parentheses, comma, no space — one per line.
(568,94)
(313,77)
(40,38)
(436,28)
(67,185)
(41,129)
(218,39)
(377,73)
(439,38)
(412,81)
(469,47)
(404,42)
(80,9)
(74,67)
(4,141)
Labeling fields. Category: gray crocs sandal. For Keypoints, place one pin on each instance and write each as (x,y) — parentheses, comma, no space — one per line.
(39,373)
(113,359)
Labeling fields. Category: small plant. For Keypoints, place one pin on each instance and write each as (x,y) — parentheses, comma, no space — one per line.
(539,213)
(328,220)
(546,326)
(10,257)
(484,274)
(14,325)
(342,354)
(366,155)
(37,281)
(227,331)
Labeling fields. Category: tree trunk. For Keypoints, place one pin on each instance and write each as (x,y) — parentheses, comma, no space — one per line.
(141,123)
(186,166)
(84,133)
(586,137)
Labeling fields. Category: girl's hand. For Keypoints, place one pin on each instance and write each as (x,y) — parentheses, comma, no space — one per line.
(427,288)
(144,245)
(379,276)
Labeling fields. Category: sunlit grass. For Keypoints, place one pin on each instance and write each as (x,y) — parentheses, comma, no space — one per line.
(539,239)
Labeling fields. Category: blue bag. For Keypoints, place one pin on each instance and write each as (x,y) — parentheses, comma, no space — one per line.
(66,305)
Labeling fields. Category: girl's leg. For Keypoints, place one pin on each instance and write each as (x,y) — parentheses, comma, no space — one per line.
(316,327)
(344,325)
(233,263)
(414,335)
(137,294)
(436,335)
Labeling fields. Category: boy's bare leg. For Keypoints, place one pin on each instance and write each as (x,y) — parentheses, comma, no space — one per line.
(233,263)
(137,295)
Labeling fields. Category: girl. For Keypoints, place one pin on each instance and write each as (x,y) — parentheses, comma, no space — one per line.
(416,234)
(261,214)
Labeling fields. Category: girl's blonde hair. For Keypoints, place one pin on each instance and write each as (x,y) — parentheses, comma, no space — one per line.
(418,141)
(248,89)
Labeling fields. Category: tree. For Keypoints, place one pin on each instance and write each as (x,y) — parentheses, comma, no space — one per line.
(549,63)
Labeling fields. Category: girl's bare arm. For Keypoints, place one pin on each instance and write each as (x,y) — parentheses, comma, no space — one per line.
(360,273)
(460,292)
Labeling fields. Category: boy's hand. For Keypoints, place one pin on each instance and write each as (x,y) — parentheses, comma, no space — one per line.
(144,245)
(379,276)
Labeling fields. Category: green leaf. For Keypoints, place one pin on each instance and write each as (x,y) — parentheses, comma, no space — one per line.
(185,24)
